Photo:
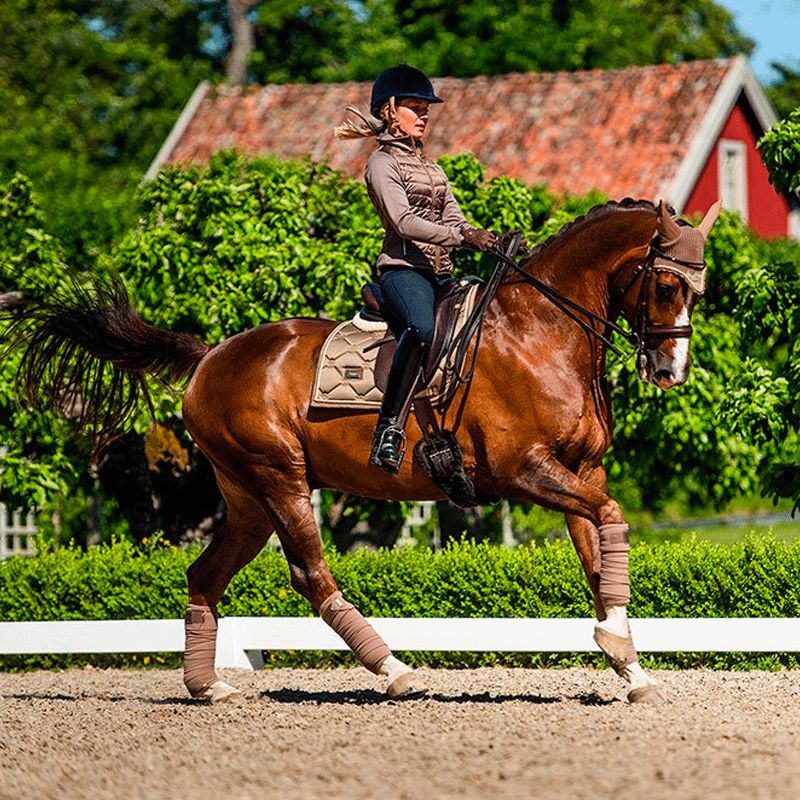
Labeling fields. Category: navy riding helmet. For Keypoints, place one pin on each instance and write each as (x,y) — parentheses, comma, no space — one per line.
(399,82)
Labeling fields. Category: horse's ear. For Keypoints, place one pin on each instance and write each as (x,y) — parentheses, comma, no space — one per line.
(667,227)
(709,219)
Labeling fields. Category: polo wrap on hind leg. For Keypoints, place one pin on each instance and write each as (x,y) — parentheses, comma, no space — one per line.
(200,649)
(359,635)
(614,580)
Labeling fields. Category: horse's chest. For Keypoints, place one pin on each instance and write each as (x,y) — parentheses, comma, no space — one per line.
(587,439)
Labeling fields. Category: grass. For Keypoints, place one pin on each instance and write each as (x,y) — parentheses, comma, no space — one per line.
(719,534)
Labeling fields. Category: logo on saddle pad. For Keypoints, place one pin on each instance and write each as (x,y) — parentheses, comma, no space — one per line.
(353,366)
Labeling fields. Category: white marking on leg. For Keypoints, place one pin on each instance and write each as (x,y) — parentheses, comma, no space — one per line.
(616,621)
(636,676)
(393,668)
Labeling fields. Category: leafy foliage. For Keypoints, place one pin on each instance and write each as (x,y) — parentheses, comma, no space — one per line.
(785,92)
(754,579)
(780,149)
(238,242)
(91,90)
(353,41)
(92,87)
(37,458)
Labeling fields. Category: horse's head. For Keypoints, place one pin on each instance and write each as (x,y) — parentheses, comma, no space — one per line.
(671,280)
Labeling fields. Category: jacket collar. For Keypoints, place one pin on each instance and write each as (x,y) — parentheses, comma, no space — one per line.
(404,143)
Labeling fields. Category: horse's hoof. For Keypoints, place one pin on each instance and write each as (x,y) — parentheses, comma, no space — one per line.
(650,695)
(406,687)
(220,692)
(619,649)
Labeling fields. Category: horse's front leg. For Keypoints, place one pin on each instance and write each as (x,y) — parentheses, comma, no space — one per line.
(600,536)
(612,627)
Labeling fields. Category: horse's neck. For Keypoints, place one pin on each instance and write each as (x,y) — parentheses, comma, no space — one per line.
(581,265)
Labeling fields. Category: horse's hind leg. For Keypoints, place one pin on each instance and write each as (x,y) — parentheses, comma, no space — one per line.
(312,578)
(244,532)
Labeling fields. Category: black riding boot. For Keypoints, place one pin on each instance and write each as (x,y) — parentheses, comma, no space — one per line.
(389,442)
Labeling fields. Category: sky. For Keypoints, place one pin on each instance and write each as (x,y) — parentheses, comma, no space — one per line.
(775,27)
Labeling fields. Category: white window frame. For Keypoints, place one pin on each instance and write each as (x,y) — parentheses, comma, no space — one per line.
(727,148)
(794,224)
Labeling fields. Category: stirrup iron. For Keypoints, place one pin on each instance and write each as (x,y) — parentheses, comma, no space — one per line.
(388,447)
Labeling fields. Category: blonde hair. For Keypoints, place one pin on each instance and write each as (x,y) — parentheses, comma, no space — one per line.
(350,129)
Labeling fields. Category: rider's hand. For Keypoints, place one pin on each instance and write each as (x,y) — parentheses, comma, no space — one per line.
(478,239)
(504,240)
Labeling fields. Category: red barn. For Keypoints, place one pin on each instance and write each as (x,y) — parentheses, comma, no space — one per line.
(685,132)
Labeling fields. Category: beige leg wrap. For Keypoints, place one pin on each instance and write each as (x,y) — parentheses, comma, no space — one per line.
(201,647)
(360,636)
(614,580)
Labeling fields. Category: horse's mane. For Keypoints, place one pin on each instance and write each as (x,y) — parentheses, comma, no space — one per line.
(592,215)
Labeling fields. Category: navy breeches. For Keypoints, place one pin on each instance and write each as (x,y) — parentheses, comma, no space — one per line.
(408,301)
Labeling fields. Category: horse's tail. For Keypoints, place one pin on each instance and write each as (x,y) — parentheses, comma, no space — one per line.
(87,354)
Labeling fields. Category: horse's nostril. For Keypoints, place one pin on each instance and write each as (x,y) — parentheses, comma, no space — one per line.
(663,375)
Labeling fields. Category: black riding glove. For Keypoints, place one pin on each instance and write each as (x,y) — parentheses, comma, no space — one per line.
(478,239)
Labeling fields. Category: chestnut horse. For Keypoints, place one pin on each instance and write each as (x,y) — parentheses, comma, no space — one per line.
(535,426)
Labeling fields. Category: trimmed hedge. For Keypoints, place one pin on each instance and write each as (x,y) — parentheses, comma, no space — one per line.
(757,578)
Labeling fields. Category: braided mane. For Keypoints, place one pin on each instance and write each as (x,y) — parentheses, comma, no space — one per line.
(594,213)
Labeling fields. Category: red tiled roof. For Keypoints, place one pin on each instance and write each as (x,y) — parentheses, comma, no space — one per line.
(624,132)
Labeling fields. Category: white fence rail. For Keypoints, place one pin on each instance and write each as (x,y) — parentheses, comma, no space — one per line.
(241,639)
(17,530)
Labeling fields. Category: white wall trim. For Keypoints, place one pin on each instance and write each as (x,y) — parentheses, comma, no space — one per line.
(241,639)
(738,78)
(178,129)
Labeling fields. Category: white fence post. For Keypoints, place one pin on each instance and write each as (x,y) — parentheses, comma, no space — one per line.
(16,536)
(420,513)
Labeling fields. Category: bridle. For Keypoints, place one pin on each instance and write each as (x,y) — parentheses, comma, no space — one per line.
(643,332)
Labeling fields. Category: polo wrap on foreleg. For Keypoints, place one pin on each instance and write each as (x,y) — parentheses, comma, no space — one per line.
(200,649)
(614,580)
(359,635)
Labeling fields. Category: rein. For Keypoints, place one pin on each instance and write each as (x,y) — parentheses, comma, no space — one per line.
(573,309)
(471,332)
(643,331)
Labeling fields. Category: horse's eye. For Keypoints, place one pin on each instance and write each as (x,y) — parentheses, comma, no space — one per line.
(665,292)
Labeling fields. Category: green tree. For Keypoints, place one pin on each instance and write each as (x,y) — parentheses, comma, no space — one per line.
(38,459)
(780,149)
(335,40)
(90,91)
(785,92)
(91,87)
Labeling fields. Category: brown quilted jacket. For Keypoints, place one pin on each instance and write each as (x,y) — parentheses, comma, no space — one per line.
(415,203)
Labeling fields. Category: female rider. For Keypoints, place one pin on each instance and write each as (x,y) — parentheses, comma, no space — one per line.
(422,220)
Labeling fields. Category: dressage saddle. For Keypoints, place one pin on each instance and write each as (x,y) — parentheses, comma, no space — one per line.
(438,452)
(449,299)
